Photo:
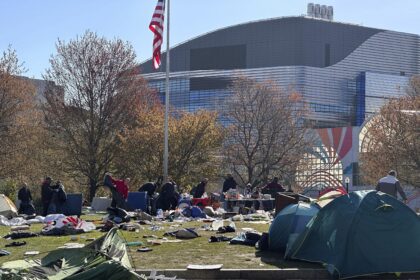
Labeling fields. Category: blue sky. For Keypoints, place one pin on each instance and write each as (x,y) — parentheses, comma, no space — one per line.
(32,27)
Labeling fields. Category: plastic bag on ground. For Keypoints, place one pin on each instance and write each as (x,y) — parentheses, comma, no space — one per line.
(208,210)
(238,218)
(36,220)
(53,217)
(216,225)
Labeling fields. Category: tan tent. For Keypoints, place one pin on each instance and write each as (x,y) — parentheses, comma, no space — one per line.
(329,195)
(7,207)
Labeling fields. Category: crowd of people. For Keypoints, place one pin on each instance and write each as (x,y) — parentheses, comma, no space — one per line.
(166,195)
(162,195)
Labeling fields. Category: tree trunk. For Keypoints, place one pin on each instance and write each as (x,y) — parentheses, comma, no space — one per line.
(250,174)
(92,188)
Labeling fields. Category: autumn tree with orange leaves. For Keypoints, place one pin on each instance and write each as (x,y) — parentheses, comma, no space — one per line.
(194,143)
(19,118)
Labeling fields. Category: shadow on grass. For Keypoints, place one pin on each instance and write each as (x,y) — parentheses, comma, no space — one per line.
(277,259)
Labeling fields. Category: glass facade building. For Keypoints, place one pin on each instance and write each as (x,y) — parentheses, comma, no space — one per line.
(345,72)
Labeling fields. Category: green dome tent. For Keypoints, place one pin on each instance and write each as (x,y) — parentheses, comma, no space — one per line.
(104,258)
(363,233)
(288,224)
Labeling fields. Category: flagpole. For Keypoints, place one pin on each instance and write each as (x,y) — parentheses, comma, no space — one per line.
(166,148)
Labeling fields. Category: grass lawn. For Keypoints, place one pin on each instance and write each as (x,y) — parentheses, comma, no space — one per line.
(167,255)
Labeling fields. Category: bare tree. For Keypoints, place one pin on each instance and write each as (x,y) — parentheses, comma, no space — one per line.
(101,91)
(414,88)
(392,139)
(265,136)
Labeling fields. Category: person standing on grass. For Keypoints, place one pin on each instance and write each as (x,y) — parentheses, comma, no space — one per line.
(58,198)
(46,195)
(24,195)
(119,190)
(122,187)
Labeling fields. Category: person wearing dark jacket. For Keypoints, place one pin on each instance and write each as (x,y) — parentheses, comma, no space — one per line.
(229,183)
(273,187)
(151,187)
(58,198)
(192,192)
(25,197)
(168,199)
(46,194)
(200,189)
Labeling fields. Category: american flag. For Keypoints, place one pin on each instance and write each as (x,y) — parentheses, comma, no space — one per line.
(156,26)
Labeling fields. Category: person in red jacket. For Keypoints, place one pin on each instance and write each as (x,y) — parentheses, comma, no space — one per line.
(119,190)
(121,186)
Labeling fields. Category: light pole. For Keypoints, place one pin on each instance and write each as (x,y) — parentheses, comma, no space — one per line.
(347,181)
(166,133)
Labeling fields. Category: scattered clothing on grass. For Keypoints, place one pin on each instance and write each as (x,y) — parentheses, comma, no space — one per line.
(185,233)
(246,238)
(20,234)
(219,239)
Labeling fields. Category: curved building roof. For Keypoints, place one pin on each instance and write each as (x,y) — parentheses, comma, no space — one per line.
(286,41)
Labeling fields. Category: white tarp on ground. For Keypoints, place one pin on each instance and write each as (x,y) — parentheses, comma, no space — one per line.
(36,220)
(52,218)
(12,222)
(70,221)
